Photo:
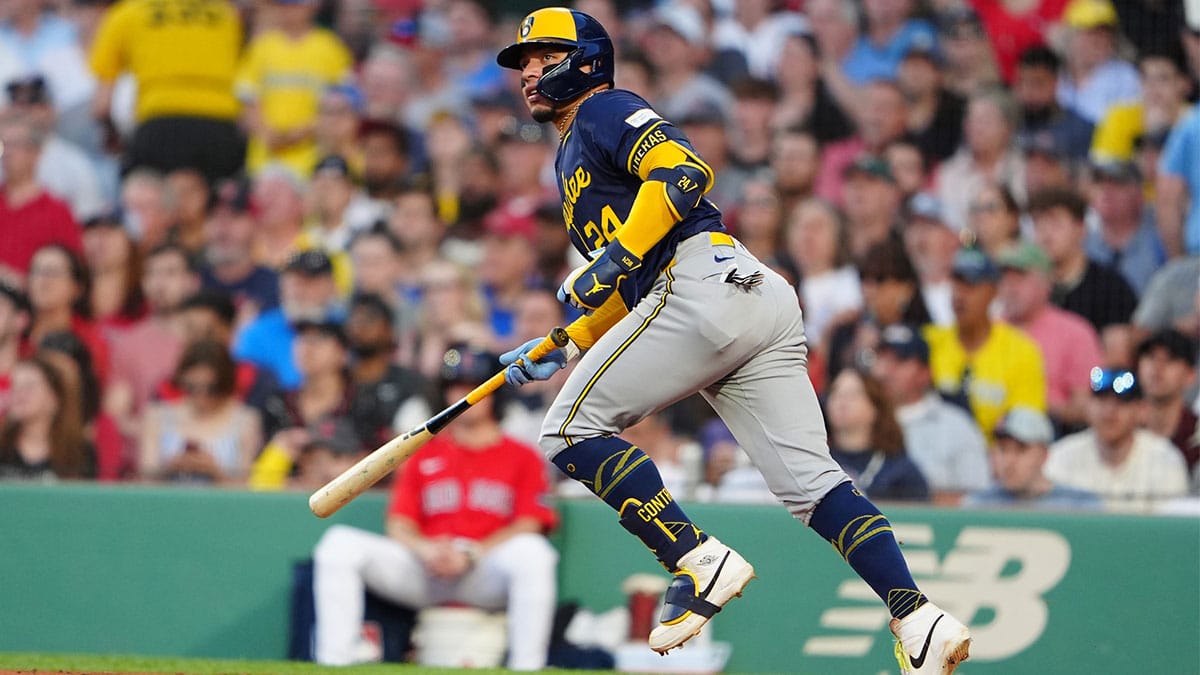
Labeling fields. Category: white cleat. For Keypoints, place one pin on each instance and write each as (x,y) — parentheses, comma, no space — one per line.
(930,642)
(709,576)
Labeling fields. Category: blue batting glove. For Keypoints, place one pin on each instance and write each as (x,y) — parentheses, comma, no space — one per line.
(518,375)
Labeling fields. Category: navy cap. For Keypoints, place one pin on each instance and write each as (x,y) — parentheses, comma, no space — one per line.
(114,218)
(974,267)
(1112,382)
(333,164)
(1117,170)
(1045,143)
(905,342)
(311,263)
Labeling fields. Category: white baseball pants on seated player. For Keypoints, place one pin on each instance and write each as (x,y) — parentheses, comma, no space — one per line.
(518,576)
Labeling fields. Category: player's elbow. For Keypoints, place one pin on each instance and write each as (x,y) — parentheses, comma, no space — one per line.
(685,184)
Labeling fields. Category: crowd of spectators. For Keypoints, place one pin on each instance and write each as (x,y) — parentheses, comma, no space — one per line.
(237,238)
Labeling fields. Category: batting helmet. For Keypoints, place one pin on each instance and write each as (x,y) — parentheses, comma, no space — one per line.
(589,43)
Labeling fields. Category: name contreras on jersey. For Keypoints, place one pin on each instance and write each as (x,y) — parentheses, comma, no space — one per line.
(572,188)
(651,138)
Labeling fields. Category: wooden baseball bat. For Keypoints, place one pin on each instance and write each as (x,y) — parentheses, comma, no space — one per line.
(370,469)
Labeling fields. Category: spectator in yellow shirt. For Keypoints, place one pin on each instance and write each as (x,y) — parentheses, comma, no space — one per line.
(282,76)
(991,366)
(183,55)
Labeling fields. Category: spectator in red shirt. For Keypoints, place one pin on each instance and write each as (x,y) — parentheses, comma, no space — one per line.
(59,289)
(465,524)
(29,217)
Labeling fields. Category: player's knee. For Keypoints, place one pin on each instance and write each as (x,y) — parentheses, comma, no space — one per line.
(552,440)
(336,545)
(528,553)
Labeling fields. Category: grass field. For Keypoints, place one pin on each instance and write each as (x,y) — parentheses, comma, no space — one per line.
(84,663)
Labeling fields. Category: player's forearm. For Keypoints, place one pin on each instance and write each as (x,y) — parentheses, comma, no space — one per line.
(587,329)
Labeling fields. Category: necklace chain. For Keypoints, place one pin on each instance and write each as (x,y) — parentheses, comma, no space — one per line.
(570,117)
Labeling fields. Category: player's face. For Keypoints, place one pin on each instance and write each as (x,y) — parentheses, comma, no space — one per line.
(534,63)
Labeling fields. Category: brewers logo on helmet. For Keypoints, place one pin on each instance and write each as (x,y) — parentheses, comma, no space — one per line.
(583,35)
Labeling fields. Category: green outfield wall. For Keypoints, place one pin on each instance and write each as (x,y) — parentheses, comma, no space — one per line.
(198,572)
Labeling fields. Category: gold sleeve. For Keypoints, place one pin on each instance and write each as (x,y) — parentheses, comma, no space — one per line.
(585,330)
(652,215)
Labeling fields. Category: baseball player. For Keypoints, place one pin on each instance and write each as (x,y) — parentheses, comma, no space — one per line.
(674,305)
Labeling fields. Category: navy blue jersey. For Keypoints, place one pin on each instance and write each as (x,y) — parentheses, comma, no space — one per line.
(597,167)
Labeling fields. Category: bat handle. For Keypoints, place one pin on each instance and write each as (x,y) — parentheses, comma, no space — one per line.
(557,339)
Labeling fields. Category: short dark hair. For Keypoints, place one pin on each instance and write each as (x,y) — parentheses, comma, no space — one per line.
(214,355)
(387,128)
(379,231)
(755,88)
(214,300)
(373,303)
(1039,56)
(170,247)
(1058,197)
(888,260)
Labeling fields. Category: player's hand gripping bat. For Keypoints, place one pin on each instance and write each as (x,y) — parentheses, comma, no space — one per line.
(370,469)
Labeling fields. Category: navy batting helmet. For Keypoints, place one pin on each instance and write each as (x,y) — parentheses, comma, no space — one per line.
(589,43)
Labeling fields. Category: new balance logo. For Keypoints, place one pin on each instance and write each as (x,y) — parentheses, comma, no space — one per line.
(976,575)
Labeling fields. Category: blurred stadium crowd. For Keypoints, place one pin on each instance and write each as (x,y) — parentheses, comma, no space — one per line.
(237,238)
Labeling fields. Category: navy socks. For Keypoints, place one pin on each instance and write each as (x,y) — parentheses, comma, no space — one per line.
(627,480)
(863,536)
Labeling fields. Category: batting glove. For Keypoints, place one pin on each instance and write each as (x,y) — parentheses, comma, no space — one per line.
(589,286)
(526,372)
